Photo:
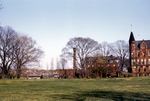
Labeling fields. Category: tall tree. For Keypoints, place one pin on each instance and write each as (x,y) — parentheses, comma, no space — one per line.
(7,49)
(57,64)
(26,53)
(104,49)
(52,67)
(120,49)
(17,51)
(84,48)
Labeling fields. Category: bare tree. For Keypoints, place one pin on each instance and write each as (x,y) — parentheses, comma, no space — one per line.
(105,49)
(26,53)
(62,71)
(63,63)
(7,37)
(84,48)
(48,75)
(57,64)
(120,49)
(52,66)
(16,51)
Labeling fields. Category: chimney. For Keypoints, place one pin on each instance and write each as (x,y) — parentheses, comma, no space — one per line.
(74,58)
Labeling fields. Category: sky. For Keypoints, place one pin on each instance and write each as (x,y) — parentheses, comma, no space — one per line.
(53,22)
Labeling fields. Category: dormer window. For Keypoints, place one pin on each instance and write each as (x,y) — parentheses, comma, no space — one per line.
(117,61)
(143,46)
(144,54)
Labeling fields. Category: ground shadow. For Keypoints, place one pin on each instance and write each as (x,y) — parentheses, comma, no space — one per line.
(108,95)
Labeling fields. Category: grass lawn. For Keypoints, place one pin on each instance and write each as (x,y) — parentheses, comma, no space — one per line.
(120,89)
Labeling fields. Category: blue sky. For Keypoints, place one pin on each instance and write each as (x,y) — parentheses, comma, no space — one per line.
(53,22)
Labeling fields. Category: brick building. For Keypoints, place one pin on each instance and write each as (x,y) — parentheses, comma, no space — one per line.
(139,56)
(112,66)
(110,62)
(66,73)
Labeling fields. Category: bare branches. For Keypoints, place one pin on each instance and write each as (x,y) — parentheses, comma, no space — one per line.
(121,49)
(7,36)
(17,51)
(84,48)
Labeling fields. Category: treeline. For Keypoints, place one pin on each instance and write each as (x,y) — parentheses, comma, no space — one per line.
(87,47)
(17,51)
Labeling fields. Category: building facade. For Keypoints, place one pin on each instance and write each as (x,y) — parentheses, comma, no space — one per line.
(110,62)
(139,56)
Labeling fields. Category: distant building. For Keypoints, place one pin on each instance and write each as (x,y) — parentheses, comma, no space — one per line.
(112,66)
(139,56)
(34,77)
(66,73)
(110,62)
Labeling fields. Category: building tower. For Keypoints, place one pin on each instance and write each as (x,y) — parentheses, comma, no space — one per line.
(131,50)
(74,58)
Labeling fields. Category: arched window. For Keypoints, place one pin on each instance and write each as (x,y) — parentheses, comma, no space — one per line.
(143,46)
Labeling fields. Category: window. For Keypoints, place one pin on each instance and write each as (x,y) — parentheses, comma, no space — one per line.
(132,54)
(138,54)
(134,67)
(144,68)
(143,46)
(144,61)
(134,61)
(148,61)
(117,61)
(131,62)
(141,61)
(144,54)
(138,61)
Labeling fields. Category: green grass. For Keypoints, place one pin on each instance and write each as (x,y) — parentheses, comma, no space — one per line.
(112,89)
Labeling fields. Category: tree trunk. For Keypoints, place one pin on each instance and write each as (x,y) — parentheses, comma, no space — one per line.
(18,72)
(4,73)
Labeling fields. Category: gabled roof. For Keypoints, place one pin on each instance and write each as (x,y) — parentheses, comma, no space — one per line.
(137,44)
(131,39)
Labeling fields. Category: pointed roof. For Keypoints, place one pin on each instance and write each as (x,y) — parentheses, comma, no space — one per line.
(131,38)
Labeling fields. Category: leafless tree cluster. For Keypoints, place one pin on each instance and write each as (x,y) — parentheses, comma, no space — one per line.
(86,47)
(120,49)
(17,51)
